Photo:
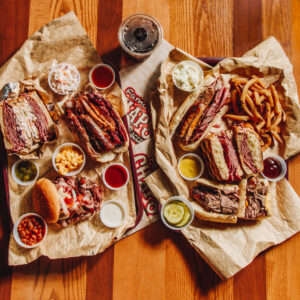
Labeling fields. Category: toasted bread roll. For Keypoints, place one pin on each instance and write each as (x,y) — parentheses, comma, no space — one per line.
(215,201)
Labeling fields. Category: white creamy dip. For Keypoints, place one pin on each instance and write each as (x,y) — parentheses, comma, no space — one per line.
(112,214)
(187,75)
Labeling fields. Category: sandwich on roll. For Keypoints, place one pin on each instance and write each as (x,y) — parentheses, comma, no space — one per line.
(25,123)
(220,157)
(195,116)
(254,198)
(249,150)
(215,201)
(66,200)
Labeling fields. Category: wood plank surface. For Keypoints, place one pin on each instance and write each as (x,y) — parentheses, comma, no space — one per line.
(155,263)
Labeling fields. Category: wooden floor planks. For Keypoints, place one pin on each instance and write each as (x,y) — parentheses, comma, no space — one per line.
(156,263)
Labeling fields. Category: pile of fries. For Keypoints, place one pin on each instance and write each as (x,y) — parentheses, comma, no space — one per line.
(252,102)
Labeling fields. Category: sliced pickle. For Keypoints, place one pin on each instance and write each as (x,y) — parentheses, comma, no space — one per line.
(186,216)
(173,212)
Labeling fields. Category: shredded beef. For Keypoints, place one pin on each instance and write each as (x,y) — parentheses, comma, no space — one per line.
(256,198)
(89,196)
(215,200)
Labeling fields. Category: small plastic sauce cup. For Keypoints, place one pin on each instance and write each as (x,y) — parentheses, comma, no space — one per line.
(102,76)
(115,176)
(113,213)
(195,157)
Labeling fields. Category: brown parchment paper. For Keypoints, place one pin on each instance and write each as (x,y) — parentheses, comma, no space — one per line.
(64,40)
(229,248)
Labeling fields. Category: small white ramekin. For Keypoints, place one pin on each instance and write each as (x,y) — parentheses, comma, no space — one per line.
(200,162)
(106,183)
(106,66)
(16,234)
(198,68)
(17,180)
(50,75)
(104,219)
(283,167)
(186,202)
(61,147)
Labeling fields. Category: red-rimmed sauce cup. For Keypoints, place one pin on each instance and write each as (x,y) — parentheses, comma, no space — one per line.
(115,176)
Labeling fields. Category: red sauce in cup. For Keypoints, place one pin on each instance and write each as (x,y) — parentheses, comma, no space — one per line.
(102,77)
(272,168)
(116,176)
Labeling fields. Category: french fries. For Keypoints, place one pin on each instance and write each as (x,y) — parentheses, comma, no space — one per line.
(234,101)
(237,117)
(259,106)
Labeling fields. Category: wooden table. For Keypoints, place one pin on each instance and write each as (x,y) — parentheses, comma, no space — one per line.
(156,263)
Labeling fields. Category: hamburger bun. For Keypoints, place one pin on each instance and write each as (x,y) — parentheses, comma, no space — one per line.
(45,200)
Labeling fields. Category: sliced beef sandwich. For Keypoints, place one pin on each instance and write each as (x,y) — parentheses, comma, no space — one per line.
(220,157)
(25,123)
(193,119)
(215,201)
(254,198)
(249,150)
(66,200)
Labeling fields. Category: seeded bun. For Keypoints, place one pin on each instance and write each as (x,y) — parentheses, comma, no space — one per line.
(46,200)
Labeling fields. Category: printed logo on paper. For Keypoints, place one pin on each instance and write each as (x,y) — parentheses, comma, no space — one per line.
(139,117)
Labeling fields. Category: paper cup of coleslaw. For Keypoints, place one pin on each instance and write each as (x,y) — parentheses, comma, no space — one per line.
(64,79)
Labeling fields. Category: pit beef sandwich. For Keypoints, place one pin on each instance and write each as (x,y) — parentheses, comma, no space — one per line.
(66,200)
(254,198)
(249,150)
(215,201)
(195,117)
(25,123)
(220,157)
(96,125)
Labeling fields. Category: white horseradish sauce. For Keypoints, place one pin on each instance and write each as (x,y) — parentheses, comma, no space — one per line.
(112,214)
(187,75)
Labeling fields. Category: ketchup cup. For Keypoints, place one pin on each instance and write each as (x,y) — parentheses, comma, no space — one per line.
(115,176)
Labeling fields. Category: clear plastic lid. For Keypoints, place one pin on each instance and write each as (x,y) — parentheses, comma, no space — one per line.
(140,34)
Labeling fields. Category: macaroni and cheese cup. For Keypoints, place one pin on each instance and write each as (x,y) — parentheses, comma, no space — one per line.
(68,161)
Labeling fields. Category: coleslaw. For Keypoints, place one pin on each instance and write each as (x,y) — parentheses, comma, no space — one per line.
(64,78)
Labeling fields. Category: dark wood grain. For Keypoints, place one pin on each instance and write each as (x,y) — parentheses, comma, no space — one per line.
(109,20)
(13,32)
(247,25)
(13,26)
(250,283)
(100,275)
